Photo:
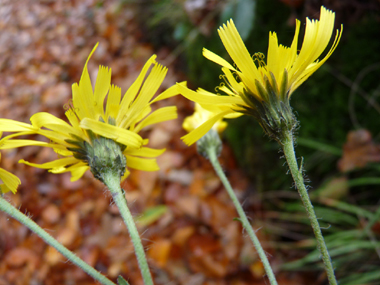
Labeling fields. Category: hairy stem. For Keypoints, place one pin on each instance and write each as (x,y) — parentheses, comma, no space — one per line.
(288,148)
(211,152)
(113,184)
(25,220)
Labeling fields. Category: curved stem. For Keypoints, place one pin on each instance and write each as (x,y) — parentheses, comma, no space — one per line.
(25,220)
(211,152)
(290,156)
(113,184)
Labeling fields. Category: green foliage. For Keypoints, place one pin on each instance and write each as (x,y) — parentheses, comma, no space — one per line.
(121,281)
(150,215)
(362,278)
(243,14)
(352,244)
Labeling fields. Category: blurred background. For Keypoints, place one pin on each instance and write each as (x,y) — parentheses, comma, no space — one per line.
(183,213)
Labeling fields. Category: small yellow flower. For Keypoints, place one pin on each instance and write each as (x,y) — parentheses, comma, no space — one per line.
(211,140)
(263,89)
(94,129)
(200,116)
(8,181)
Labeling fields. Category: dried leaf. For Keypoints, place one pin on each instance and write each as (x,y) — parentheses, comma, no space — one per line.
(159,252)
(358,151)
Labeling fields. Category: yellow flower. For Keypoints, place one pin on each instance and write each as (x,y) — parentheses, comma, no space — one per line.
(200,116)
(263,89)
(211,140)
(8,181)
(94,129)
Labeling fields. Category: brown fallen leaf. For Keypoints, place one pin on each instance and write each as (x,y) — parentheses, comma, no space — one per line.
(358,151)
(159,252)
(51,214)
(66,236)
(181,235)
(21,256)
(205,255)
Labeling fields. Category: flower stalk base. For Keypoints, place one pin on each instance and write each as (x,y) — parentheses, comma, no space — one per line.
(288,148)
(112,181)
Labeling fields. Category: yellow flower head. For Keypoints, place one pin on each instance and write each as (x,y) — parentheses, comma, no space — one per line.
(100,121)
(8,181)
(211,140)
(263,89)
(200,116)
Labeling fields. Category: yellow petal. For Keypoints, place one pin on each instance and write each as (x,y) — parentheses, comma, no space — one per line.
(118,134)
(203,91)
(273,57)
(83,97)
(204,99)
(78,101)
(313,67)
(217,59)
(113,101)
(10,181)
(102,85)
(233,115)
(58,164)
(7,125)
(59,138)
(145,152)
(61,150)
(170,92)
(160,115)
(220,107)
(145,164)
(77,170)
(293,48)
(126,174)
(17,135)
(131,93)
(238,88)
(239,53)
(213,108)
(9,144)
(151,85)
(148,90)
(200,116)
(73,119)
(325,28)
(53,123)
(147,109)
(199,132)
(316,38)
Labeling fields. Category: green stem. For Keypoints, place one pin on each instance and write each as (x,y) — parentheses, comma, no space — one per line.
(25,220)
(290,156)
(211,152)
(113,184)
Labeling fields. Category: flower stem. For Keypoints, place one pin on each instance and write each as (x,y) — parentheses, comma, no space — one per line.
(113,184)
(211,152)
(290,156)
(25,220)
